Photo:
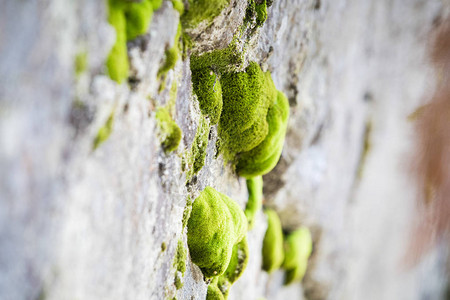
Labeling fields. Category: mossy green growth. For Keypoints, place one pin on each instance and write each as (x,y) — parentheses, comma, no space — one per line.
(81,63)
(272,251)
(238,263)
(179,263)
(197,155)
(263,158)
(247,97)
(129,19)
(172,54)
(255,196)
(256,14)
(214,292)
(298,248)
(199,11)
(104,132)
(178,5)
(207,87)
(170,132)
(261,13)
(215,226)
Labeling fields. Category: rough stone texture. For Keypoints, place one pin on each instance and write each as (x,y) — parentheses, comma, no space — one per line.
(82,224)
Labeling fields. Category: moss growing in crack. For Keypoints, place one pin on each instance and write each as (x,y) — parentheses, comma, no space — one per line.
(216,225)
(187,211)
(104,132)
(255,195)
(197,155)
(256,14)
(179,263)
(238,263)
(129,19)
(263,158)
(199,11)
(261,13)
(247,97)
(170,132)
(298,248)
(272,251)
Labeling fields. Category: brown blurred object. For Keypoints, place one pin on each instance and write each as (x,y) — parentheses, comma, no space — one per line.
(431,160)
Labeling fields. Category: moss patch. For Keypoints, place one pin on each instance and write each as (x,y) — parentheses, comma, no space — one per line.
(215,226)
(255,195)
(214,292)
(179,263)
(81,63)
(202,11)
(129,19)
(169,130)
(104,132)
(197,155)
(298,248)
(172,55)
(207,87)
(272,251)
(178,6)
(263,158)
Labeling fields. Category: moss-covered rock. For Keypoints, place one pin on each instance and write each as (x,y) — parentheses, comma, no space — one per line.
(298,248)
(215,226)
(207,87)
(272,251)
(255,196)
(179,263)
(104,132)
(169,130)
(214,292)
(263,158)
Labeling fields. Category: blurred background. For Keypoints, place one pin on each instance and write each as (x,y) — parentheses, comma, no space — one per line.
(365,165)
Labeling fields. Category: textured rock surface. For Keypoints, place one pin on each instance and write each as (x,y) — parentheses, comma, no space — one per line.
(82,224)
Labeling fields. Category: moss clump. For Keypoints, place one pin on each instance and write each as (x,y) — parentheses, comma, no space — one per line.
(263,158)
(178,6)
(129,19)
(215,226)
(238,263)
(81,63)
(187,211)
(261,13)
(255,195)
(214,292)
(179,263)
(170,132)
(207,87)
(247,97)
(256,14)
(104,132)
(199,11)
(298,248)
(163,246)
(272,251)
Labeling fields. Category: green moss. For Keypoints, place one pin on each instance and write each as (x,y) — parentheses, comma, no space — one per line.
(238,263)
(261,13)
(298,248)
(255,196)
(117,61)
(172,54)
(214,292)
(216,224)
(272,251)
(247,97)
(202,11)
(170,132)
(129,19)
(104,132)
(207,87)
(178,6)
(179,263)
(187,211)
(197,155)
(163,246)
(263,158)
(81,63)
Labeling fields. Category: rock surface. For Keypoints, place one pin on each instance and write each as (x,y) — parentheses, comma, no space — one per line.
(82,224)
